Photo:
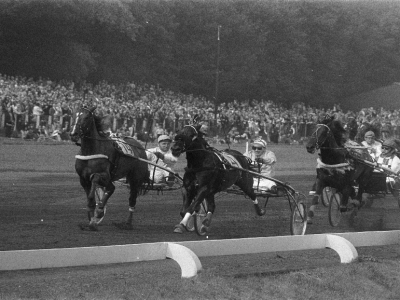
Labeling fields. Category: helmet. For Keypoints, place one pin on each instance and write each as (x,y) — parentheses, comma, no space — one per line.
(391,143)
(260,142)
(369,134)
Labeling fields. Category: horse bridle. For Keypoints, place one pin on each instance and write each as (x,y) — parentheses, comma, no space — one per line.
(185,148)
(82,129)
(317,142)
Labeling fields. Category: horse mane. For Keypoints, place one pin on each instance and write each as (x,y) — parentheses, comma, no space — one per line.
(102,123)
(337,129)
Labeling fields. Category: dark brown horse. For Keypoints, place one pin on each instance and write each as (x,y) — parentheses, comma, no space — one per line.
(99,164)
(336,167)
(206,174)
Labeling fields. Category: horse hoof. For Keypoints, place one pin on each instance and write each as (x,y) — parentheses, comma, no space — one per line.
(206,223)
(259,211)
(204,229)
(93,225)
(179,228)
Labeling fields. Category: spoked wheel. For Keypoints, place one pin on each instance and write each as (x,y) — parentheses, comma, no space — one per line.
(334,213)
(326,195)
(298,218)
(198,218)
(98,195)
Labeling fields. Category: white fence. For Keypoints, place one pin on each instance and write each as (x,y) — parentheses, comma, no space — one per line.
(187,254)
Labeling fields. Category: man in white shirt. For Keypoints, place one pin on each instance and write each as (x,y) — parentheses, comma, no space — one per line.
(388,158)
(163,157)
(266,160)
(374,147)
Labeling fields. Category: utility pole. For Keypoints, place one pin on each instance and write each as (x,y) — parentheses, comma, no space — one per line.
(217,75)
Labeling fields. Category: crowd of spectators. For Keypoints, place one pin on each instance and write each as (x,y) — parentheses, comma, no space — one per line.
(43,109)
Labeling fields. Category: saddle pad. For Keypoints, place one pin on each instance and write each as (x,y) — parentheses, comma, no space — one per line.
(232,161)
(123,147)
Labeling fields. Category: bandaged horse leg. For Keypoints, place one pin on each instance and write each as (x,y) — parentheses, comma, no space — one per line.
(313,206)
(97,209)
(210,210)
(200,196)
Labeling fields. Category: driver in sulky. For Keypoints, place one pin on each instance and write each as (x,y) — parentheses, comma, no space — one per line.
(389,158)
(265,159)
(374,147)
(162,156)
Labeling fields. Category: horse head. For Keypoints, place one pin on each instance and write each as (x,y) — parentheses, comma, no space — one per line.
(83,124)
(328,131)
(184,139)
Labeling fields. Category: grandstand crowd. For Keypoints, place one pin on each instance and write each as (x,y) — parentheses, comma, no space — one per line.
(43,109)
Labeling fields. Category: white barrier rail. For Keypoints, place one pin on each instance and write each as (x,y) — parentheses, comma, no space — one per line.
(186,253)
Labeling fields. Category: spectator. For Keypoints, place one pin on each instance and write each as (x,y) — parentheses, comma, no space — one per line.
(9,122)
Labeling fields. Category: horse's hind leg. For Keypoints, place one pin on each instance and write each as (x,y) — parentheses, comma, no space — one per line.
(246,185)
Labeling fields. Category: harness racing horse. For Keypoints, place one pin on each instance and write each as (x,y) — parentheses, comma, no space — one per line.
(207,174)
(336,168)
(99,163)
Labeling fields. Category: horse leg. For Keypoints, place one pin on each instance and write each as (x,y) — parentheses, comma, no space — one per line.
(210,211)
(90,203)
(188,194)
(134,184)
(100,207)
(245,183)
(201,195)
(97,180)
(318,186)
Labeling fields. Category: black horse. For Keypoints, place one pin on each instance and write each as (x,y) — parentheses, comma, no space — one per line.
(99,163)
(337,167)
(207,174)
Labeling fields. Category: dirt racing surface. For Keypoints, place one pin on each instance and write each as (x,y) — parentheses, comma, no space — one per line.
(42,205)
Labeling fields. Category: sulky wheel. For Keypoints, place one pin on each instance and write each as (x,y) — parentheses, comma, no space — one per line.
(98,195)
(298,218)
(326,195)
(198,218)
(334,213)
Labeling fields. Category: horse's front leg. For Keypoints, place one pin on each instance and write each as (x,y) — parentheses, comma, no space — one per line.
(200,196)
(318,187)
(188,194)
(210,211)
(90,201)
(97,209)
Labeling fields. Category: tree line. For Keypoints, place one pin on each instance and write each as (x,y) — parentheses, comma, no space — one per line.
(316,52)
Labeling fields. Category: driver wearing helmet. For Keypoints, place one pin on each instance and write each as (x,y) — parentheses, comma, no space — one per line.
(163,157)
(266,160)
(388,158)
(373,147)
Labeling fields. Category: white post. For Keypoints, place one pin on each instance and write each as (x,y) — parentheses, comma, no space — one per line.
(247,147)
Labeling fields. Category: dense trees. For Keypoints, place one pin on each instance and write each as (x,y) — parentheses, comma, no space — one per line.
(315,51)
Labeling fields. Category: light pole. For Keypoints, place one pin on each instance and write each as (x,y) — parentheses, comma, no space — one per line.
(217,75)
